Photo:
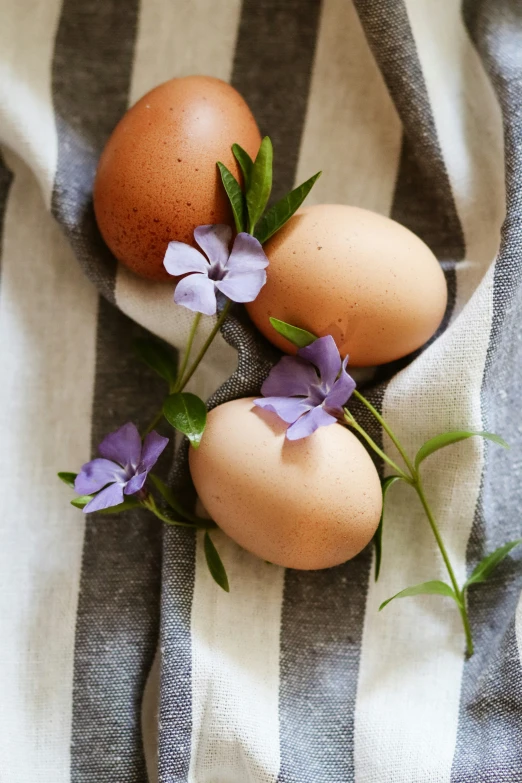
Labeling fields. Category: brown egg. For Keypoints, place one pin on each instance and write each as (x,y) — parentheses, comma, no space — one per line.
(311,503)
(361,277)
(157,178)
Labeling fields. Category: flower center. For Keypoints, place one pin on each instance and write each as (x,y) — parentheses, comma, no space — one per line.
(216,272)
(316,395)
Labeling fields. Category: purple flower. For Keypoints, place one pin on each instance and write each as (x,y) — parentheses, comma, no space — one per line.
(308,390)
(122,468)
(239,275)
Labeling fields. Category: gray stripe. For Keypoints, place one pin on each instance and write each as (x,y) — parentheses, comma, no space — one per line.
(272,70)
(489,742)
(6,178)
(424,179)
(90,80)
(118,612)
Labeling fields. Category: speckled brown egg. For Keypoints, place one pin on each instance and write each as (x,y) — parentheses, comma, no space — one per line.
(157,177)
(309,504)
(361,277)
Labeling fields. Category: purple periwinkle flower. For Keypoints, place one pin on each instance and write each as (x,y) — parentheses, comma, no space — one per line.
(309,390)
(239,275)
(122,469)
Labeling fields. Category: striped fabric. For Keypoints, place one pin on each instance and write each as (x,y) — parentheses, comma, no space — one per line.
(120,659)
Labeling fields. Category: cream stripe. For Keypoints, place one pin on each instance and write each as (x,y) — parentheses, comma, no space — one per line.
(235,669)
(27,124)
(352,131)
(412,655)
(47,352)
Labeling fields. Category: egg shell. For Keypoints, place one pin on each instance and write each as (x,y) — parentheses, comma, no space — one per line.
(359,276)
(307,504)
(157,177)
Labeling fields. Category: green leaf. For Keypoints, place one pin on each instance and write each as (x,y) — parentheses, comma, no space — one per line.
(377,539)
(425,588)
(245,163)
(293,334)
(447,438)
(485,568)
(281,212)
(215,565)
(128,503)
(67,478)
(260,185)
(171,500)
(235,196)
(187,413)
(81,501)
(157,356)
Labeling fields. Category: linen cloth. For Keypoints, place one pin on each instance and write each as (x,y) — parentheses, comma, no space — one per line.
(120,659)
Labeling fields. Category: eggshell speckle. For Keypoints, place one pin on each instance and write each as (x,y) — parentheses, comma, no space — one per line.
(361,277)
(157,178)
(308,504)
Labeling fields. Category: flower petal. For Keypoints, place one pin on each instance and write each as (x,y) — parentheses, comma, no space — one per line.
(309,423)
(123,446)
(96,474)
(242,286)
(110,496)
(325,355)
(247,254)
(287,408)
(181,259)
(197,293)
(153,445)
(290,377)
(341,391)
(215,241)
(135,483)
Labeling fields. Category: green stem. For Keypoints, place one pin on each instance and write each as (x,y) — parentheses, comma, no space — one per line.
(181,381)
(155,421)
(387,429)
(194,366)
(353,423)
(188,349)
(467,628)
(420,492)
(461,600)
(150,504)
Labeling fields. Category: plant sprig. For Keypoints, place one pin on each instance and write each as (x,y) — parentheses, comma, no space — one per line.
(411,475)
(250,201)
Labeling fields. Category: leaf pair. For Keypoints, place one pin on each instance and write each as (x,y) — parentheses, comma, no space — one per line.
(480,573)
(448,438)
(249,207)
(82,500)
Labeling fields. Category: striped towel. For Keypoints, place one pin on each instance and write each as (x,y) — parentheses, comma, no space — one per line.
(120,660)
